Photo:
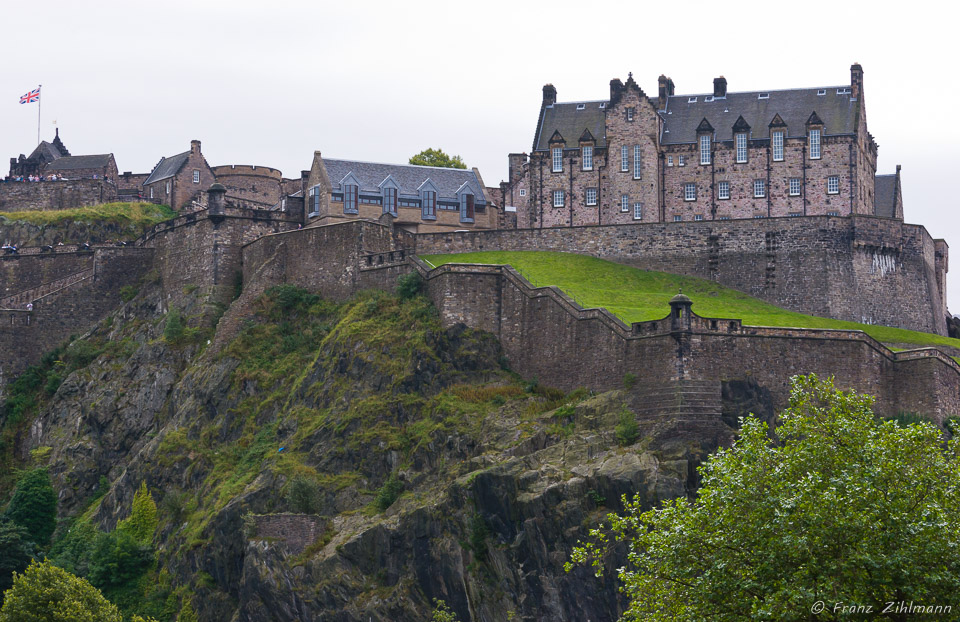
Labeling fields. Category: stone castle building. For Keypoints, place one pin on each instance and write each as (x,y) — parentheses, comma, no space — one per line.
(419,198)
(709,156)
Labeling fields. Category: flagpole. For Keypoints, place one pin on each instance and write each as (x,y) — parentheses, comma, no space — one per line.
(39,103)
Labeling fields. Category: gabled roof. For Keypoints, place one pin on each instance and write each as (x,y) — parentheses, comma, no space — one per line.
(684,112)
(569,121)
(408,176)
(885,196)
(167,167)
(47,151)
(69,163)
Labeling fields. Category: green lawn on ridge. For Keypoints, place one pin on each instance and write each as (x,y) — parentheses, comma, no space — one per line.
(137,215)
(636,295)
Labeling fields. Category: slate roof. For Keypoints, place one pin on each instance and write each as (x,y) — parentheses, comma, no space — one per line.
(167,167)
(885,195)
(48,151)
(408,176)
(794,106)
(69,163)
(571,123)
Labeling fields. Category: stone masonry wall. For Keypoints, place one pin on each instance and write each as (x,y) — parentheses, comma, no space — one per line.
(862,269)
(294,532)
(547,336)
(55,195)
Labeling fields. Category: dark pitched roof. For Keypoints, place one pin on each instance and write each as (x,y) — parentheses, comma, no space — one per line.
(681,117)
(408,176)
(167,167)
(570,122)
(47,151)
(68,163)
(885,195)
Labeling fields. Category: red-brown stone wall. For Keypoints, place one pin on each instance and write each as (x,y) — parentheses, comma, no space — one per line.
(642,131)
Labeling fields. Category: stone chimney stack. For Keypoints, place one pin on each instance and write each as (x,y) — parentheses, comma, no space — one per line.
(856,81)
(662,91)
(616,88)
(195,146)
(549,95)
(215,202)
(720,87)
(670,87)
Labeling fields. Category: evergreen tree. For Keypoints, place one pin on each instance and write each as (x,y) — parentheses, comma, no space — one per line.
(34,506)
(142,522)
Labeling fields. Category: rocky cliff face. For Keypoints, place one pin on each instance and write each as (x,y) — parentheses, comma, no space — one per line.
(430,471)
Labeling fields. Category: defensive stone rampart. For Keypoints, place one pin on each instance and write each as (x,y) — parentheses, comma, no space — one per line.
(548,336)
(55,195)
(861,268)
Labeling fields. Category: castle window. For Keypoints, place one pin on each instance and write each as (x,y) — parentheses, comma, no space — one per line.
(624,203)
(689,192)
(833,185)
(523,192)
(557,159)
(591,196)
(759,189)
(677,218)
(778,146)
(558,198)
(794,186)
(151,192)
(428,205)
(390,201)
(704,149)
(587,155)
(168,187)
(624,159)
(741,140)
(466,208)
(637,165)
(196,177)
(723,190)
(351,195)
(679,160)
(314,203)
(814,144)
(795,214)
(833,213)
(698,217)
(638,211)
(630,114)
(669,160)
(723,218)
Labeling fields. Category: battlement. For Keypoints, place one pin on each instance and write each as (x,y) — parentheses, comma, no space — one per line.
(244,170)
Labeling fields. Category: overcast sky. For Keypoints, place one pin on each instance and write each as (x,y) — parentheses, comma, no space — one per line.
(267,83)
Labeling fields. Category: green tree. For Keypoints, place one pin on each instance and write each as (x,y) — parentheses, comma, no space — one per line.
(833,506)
(142,522)
(34,505)
(16,552)
(45,593)
(436,157)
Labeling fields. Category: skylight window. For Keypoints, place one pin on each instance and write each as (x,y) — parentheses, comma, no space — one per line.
(691,100)
(763,96)
(603,105)
(821,91)
(581,106)
(844,91)
(708,98)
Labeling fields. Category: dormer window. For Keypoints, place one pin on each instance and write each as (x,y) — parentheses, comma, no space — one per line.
(428,205)
(741,144)
(777,140)
(351,195)
(390,201)
(814,140)
(466,208)
(586,153)
(704,149)
(557,160)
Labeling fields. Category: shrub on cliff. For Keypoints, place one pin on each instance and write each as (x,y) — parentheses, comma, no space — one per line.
(16,552)
(831,508)
(34,506)
(45,593)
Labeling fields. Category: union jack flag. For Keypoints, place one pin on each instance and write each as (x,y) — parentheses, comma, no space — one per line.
(32,96)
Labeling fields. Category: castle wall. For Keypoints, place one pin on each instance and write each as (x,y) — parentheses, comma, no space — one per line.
(545,335)
(55,195)
(26,335)
(862,269)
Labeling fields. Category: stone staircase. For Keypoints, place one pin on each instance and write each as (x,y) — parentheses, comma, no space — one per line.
(22,298)
(679,400)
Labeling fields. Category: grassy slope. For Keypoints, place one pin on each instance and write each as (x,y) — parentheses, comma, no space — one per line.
(638,295)
(141,215)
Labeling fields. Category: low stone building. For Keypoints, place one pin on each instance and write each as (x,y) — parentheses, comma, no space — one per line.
(102,166)
(419,198)
(178,180)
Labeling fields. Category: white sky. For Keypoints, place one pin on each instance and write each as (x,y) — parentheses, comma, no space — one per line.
(268,83)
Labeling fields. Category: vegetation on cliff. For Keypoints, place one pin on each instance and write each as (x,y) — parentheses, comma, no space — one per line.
(96,224)
(830,510)
(636,295)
